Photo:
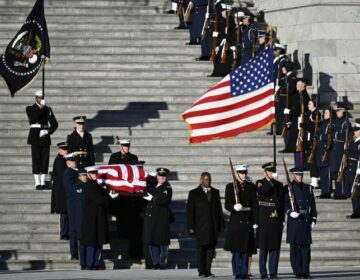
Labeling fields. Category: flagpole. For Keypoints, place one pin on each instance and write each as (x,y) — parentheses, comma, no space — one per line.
(273,128)
(43,79)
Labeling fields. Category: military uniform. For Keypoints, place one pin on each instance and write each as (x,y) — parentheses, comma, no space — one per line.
(271,196)
(197,19)
(337,151)
(241,223)
(299,228)
(248,41)
(205,219)
(58,197)
(158,216)
(42,124)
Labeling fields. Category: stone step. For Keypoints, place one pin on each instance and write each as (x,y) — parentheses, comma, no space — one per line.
(68,3)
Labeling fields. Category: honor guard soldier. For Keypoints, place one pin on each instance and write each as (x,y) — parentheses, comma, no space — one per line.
(311,127)
(205,220)
(263,38)
(81,143)
(42,124)
(158,216)
(241,202)
(58,197)
(197,18)
(74,205)
(271,196)
(95,228)
(300,209)
(124,155)
(324,138)
(249,37)
(342,130)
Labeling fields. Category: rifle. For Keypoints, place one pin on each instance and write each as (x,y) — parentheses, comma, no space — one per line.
(180,11)
(329,140)
(294,206)
(188,11)
(356,186)
(345,158)
(300,139)
(237,195)
(226,47)
(237,52)
(215,42)
(206,26)
(286,116)
(314,140)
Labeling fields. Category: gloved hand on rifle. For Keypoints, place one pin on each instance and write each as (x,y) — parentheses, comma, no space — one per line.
(294,215)
(286,111)
(358,171)
(113,194)
(148,197)
(238,207)
(43,132)
(191,231)
(313,225)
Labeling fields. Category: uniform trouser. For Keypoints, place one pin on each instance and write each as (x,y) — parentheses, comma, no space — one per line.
(147,257)
(274,256)
(205,255)
(76,247)
(299,159)
(181,21)
(40,159)
(158,254)
(300,258)
(93,256)
(206,47)
(240,263)
(356,205)
(348,182)
(325,182)
(339,190)
(64,225)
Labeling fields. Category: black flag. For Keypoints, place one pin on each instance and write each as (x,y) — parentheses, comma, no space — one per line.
(26,53)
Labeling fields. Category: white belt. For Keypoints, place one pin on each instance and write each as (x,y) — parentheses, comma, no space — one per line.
(245,209)
(35,125)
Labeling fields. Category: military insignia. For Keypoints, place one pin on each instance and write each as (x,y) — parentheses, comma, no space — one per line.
(259,184)
(165,192)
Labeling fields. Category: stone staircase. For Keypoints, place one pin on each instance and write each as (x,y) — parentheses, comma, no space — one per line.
(122,64)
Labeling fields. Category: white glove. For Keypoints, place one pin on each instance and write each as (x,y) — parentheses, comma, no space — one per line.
(113,194)
(358,171)
(286,111)
(233,48)
(238,207)
(215,34)
(148,197)
(255,226)
(313,225)
(275,176)
(43,132)
(294,215)
(207,15)
(43,102)
(299,122)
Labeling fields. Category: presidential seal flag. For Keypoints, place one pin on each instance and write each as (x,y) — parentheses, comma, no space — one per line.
(241,102)
(27,51)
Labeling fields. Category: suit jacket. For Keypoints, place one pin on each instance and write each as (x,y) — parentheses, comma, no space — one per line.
(205,217)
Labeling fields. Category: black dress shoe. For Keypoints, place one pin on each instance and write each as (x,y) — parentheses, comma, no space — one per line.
(306,276)
(192,43)
(340,197)
(210,275)
(83,267)
(162,267)
(298,276)
(156,266)
(38,187)
(74,257)
(214,75)
(64,237)
(273,276)
(353,216)
(202,275)
(203,58)
(264,276)
(181,27)
(284,151)
(169,12)
(324,196)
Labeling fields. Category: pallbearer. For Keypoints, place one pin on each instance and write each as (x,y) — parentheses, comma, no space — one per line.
(241,202)
(301,219)
(271,196)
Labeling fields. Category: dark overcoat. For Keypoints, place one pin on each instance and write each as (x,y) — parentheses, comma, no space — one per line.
(95,228)
(240,234)
(58,197)
(119,158)
(271,196)
(77,143)
(322,136)
(158,216)
(205,217)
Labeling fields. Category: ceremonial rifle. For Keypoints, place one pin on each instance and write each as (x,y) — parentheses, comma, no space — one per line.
(236,193)
(237,51)
(180,11)
(294,206)
(329,140)
(226,46)
(188,11)
(345,158)
(286,116)
(314,140)
(206,26)
(300,139)
(356,186)
(215,42)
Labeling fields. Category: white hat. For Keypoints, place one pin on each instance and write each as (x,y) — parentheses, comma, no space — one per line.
(241,167)
(39,93)
(92,169)
(279,46)
(225,7)
(124,142)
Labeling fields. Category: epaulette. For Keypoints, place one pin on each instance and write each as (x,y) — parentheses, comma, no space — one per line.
(259,183)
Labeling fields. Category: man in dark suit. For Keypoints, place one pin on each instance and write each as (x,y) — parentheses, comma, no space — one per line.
(81,143)
(205,220)
(58,198)
(158,216)
(42,124)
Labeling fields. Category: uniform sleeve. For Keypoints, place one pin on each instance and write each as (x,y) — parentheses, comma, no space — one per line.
(91,150)
(34,114)
(229,198)
(190,212)
(53,122)
(163,198)
(255,207)
(70,143)
(221,214)
(287,206)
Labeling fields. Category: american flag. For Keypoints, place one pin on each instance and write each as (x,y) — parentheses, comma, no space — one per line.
(123,177)
(243,101)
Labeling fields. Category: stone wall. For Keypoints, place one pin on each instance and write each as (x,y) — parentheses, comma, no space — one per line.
(324,40)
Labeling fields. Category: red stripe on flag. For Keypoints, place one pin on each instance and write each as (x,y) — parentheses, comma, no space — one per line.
(233,132)
(130,172)
(217,110)
(213,98)
(245,115)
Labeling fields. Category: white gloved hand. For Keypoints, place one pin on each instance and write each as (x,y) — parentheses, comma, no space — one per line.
(43,102)
(286,111)
(299,122)
(313,225)
(113,194)
(255,226)
(294,215)
(358,171)
(275,176)
(215,34)
(238,207)
(44,132)
(233,48)
(148,197)
(207,15)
